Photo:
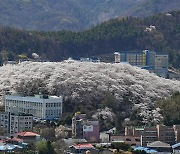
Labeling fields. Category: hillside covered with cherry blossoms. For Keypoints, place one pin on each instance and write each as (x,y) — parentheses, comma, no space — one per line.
(97,88)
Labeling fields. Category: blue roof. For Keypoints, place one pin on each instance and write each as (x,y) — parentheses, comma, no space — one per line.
(145,149)
(6,147)
(9,147)
(176,145)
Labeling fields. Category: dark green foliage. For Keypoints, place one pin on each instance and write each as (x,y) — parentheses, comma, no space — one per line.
(45,147)
(120,146)
(48,133)
(170,109)
(108,101)
(67,120)
(30,149)
(115,35)
(139,152)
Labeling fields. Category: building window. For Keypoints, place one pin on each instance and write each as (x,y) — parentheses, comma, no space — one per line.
(128,139)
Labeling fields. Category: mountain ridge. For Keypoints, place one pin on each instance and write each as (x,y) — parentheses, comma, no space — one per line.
(122,34)
(76,15)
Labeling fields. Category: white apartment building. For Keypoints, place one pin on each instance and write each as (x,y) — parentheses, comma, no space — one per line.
(15,122)
(41,106)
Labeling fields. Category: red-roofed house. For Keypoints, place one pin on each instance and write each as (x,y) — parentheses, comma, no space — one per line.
(28,136)
(14,140)
(82,148)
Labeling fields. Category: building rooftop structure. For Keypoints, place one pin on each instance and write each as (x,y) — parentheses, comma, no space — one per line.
(28,137)
(15,139)
(158,144)
(147,150)
(83,146)
(176,145)
(9,147)
(27,134)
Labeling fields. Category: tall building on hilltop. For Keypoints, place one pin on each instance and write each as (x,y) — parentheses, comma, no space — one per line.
(150,60)
(41,106)
(133,58)
(161,65)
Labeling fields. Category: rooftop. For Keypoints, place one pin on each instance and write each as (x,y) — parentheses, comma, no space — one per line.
(15,139)
(176,145)
(40,96)
(158,144)
(27,134)
(145,149)
(83,146)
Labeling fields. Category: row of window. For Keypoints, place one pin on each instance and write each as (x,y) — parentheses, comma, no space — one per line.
(34,105)
(53,104)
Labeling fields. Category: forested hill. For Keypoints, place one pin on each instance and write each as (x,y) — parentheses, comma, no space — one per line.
(150,7)
(117,34)
(75,14)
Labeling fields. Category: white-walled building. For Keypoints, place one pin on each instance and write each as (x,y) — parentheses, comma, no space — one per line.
(41,106)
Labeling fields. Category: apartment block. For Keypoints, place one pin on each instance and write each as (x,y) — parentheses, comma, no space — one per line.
(41,106)
(162,133)
(133,58)
(15,122)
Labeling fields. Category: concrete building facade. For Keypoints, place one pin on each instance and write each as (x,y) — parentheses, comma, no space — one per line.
(13,123)
(161,65)
(161,133)
(41,106)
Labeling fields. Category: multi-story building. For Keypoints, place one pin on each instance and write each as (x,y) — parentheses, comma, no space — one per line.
(41,106)
(91,130)
(159,133)
(82,128)
(161,65)
(4,121)
(15,122)
(133,58)
(150,60)
(77,125)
